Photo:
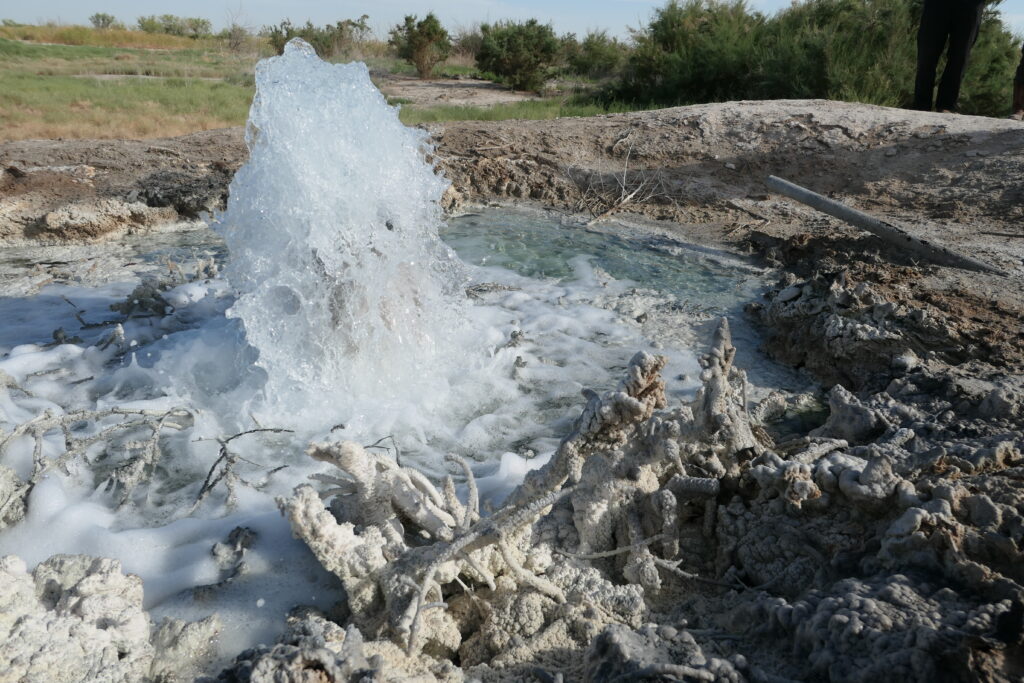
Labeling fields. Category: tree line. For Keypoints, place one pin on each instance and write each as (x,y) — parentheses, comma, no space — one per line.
(690,51)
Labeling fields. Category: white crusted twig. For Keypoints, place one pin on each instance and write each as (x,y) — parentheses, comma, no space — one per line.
(472,508)
(530,579)
(673,567)
(611,553)
(488,531)
(127,474)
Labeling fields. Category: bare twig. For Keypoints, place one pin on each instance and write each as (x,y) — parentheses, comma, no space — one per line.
(612,553)
(226,460)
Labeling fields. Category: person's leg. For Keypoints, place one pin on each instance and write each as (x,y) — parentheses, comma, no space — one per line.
(931,41)
(963,34)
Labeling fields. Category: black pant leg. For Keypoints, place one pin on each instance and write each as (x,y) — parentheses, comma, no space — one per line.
(931,41)
(963,35)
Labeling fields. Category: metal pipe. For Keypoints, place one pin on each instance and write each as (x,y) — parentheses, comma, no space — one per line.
(888,232)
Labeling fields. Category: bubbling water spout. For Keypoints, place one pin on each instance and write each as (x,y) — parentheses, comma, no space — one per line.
(342,283)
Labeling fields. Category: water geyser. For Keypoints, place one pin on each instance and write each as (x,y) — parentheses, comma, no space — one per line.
(342,283)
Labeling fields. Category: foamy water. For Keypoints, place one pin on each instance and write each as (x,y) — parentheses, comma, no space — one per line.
(341,314)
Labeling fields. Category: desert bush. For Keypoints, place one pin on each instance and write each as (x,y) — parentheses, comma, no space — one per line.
(86,36)
(854,50)
(466,41)
(328,41)
(189,27)
(521,54)
(102,20)
(424,43)
(235,37)
(695,51)
(598,55)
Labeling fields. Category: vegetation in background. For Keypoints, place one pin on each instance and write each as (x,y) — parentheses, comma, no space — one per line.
(597,56)
(102,21)
(520,53)
(187,27)
(855,50)
(329,41)
(85,35)
(424,43)
(80,81)
(66,106)
(466,42)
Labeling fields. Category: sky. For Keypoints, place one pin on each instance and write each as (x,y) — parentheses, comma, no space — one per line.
(578,16)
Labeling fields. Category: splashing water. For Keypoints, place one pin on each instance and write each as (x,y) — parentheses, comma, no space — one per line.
(342,283)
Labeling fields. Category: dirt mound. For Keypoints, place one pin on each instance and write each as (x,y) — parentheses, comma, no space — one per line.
(58,191)
(698,171)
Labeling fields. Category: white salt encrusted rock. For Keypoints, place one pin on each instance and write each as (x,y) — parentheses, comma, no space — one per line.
(182,649)
(75,618)
(694,510)
(79,618)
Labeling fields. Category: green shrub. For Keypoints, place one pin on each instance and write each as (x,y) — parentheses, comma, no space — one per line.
(329,41)
(696,51)
(853,50)
(189,27)
(598,55)
(102,20)
(424,43)
(521,54)
(235,37)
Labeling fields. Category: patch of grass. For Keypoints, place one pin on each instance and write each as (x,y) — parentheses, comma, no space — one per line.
(65,60)
(93,90)
(86,36)
(528,109)
(66,106)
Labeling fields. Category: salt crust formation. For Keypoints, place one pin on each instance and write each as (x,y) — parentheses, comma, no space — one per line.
(661,542)
(78,618)
(688,543)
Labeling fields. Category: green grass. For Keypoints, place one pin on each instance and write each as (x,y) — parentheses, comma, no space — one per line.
(49,92)
(86,36)
(58,90)
(66,60)
(554,108)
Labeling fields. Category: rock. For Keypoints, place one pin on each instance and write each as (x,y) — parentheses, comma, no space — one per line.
(75,618)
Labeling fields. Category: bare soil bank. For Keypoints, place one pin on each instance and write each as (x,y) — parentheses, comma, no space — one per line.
(697,172)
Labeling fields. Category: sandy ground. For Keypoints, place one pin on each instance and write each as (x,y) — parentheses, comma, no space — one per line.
(463,92)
